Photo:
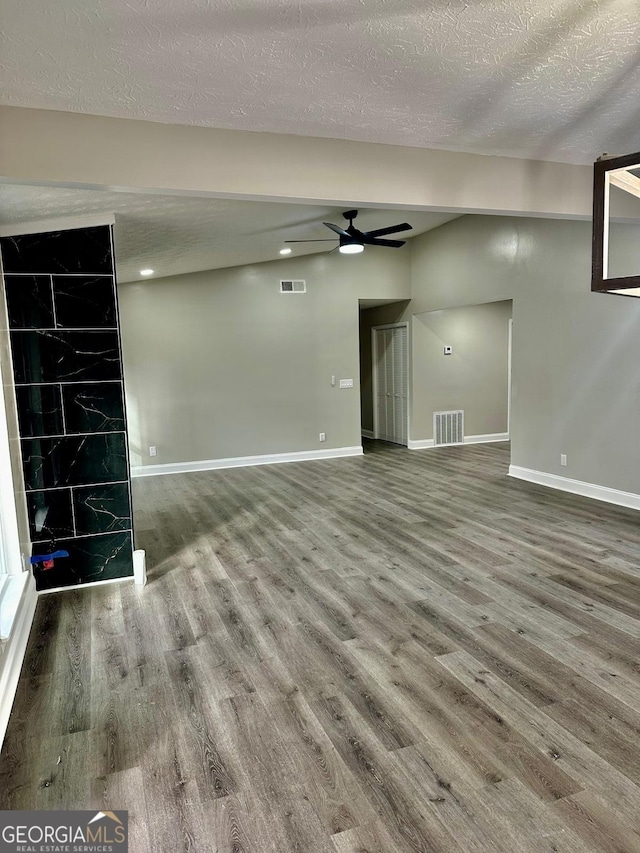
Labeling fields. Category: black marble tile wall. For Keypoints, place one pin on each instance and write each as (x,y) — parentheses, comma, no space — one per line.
(50,515)
(63,321)
(30,301)
(39,410)
(83,302)
(50,356)
(102,510)
(91,558)
(81,250)
(49,463)
(93,407)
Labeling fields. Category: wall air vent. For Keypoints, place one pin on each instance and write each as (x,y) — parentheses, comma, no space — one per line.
(295,286)
(448,427)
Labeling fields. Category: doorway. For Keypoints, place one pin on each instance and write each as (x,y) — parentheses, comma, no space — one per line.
(390,363)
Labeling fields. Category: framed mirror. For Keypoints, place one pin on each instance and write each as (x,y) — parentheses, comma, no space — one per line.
(616,220)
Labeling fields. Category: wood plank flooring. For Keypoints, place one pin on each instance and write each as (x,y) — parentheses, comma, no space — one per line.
(407,651)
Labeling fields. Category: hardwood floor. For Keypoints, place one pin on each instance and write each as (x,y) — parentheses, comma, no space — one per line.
(402,652)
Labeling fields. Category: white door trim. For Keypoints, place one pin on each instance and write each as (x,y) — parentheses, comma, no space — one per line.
(509,374)
(374,373)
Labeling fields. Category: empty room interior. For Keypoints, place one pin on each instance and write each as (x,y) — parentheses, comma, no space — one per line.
(319,471)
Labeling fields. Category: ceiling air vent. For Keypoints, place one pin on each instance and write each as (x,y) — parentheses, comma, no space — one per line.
(448,427)
(296,286)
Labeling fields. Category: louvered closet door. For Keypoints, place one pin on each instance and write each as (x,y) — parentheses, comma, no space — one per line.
(400,385)
(388,369)
(392,384)
(383,378)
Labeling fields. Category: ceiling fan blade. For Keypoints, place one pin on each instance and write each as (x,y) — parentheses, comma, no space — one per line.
(328,240)
(335,228)
(392,229)
(372,241)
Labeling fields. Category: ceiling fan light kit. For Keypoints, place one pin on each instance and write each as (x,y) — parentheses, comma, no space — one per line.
(350,247)
(352,241)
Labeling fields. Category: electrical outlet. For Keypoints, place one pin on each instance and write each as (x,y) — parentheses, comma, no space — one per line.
(323,436)
(563,460)
(153,450)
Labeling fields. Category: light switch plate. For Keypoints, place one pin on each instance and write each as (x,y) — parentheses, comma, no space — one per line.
(346,383)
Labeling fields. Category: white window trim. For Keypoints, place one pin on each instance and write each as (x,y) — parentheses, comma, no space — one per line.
(12,590)
(13,577)
(10,558)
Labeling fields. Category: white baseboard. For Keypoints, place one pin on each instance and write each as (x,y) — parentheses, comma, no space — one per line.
(85,585)
(140,567)
(244,461)
(420,444)
(484,439)
(424,443)
(576,487)
(14,650)
(367,433)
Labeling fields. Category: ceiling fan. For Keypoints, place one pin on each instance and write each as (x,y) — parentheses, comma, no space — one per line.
(352,240)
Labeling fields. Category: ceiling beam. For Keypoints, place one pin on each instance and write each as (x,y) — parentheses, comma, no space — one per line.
(76,150)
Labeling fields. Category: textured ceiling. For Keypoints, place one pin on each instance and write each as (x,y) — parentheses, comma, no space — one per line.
(551,79)
(178,234)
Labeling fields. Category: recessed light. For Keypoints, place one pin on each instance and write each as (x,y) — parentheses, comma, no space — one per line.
(147,272)
(285,251)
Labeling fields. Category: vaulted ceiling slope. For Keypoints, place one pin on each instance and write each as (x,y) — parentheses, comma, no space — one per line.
(181,234)
(546,79)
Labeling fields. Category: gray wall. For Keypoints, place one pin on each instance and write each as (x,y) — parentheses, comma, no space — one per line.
(476,261)
(473,378)
(575,353)
(220,364)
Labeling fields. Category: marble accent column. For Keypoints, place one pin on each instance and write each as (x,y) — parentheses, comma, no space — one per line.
(67,362)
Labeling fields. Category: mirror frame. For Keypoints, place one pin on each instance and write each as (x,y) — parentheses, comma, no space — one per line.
(609,171)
